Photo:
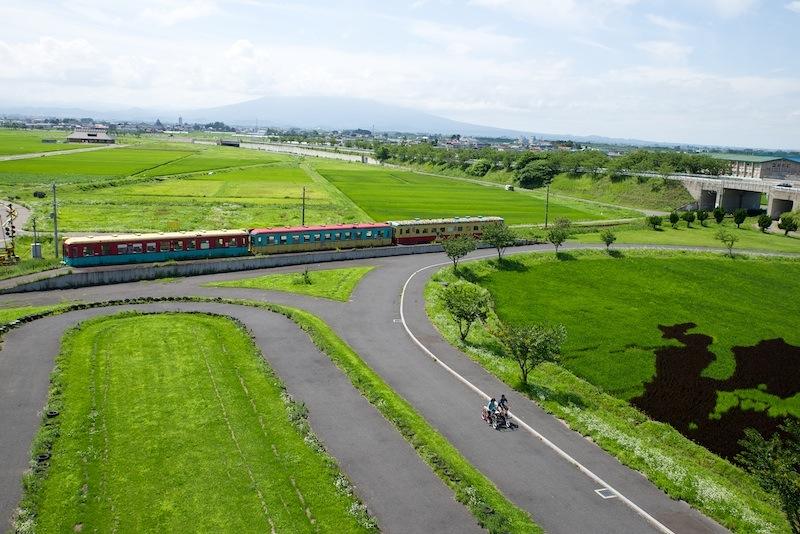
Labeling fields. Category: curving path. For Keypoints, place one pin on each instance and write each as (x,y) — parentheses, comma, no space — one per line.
(352,429)
(537,477)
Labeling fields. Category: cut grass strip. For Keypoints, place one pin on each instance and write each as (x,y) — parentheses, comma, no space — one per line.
(490,507)
(334,284)
(677,465)
(152,436)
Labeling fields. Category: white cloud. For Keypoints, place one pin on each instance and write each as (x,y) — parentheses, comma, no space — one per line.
(668,23)
(171,12)
(666,50)
(733,8)
(793,6)
(585,14)
(461,41)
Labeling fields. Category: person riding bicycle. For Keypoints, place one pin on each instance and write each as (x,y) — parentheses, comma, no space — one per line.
(492,406)
(503,405)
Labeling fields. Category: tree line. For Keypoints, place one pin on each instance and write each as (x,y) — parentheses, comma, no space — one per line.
(480,161)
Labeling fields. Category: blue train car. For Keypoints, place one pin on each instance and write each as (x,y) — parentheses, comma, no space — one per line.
(157,247)
(325,237)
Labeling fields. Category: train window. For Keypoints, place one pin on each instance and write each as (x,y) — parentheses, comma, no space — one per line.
(105,249)
(337,235)
(295,239)
(460,228)
(177,245)
(271,240)
(283,240)
(369,233)
(416,230)
(87,250)
(441,229)
(306,238)
(151,247)
(204,244)
(232,242)
(347,235)
(475,228)
(358,235)
(220,242)
(327,236)
(122,249)
(135,248)
(191,244)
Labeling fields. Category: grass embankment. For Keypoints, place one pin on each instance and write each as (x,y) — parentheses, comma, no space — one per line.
(612,308)
(750,237)
(30,141)
(154,436)
(334,284)
(390,194)
(635,192)
(12,314)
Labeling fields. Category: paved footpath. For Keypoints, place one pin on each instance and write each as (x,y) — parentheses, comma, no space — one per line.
(559,496)
(395,484)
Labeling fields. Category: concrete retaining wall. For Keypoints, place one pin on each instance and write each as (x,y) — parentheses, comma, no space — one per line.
(149,272)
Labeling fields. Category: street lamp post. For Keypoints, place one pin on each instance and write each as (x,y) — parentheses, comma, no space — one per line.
(55,222)
(547,205)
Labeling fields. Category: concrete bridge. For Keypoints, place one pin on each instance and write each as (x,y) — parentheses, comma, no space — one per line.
(732,193)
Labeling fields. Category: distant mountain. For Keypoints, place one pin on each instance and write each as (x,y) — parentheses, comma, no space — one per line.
(335,113)
(325,113)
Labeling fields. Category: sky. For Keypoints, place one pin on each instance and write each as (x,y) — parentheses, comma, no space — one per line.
(723,72)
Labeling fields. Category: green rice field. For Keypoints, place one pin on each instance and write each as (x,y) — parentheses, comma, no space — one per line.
(30,141)
(154,436)
(388,194)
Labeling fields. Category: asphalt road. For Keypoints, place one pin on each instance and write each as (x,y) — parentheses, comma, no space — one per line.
(537,477)
(397,486)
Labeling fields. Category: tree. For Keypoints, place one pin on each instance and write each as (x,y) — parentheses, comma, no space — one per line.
(674,218)
(382,153)
(499,236)
(532,344)
(466,303)
(458,247)
(479,168)
(728,239)
(719,214)
(702,216)
(764,222)
(689,217)
(608,237)
(739,217)
(788,223)
(557,235)
(537,173)
(775,464)
(655,221)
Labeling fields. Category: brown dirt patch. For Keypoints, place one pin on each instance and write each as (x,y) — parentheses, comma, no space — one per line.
(681,396)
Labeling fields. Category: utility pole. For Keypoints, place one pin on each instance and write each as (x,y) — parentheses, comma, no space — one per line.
(303,211)
(55,221)
(547,205)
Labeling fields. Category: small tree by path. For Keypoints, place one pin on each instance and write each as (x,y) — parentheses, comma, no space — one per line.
(775,464)
(530,345)
(764,222)
(674,218)
(499,236)
(557,235)
(608,237)
(466,303)
(719,214)
(458,247)
(788,223)
(739,217)
(702,217)
(382,153)
(655,221)
(728,238)
(689,217)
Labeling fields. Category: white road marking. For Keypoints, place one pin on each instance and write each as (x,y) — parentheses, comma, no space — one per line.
(636,508)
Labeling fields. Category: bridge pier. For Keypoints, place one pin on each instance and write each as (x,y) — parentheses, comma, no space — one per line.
(781,202)
(709,199)
(733,199)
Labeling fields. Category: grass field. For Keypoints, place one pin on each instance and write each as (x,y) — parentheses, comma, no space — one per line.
(387,194)
(612,308)
(154,436)
(212,158)
(334,284)
(30,141)
(749,236)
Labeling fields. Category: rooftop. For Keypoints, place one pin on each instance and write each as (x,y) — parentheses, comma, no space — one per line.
(320,228)
(746,157)
(156,236)
(448,220)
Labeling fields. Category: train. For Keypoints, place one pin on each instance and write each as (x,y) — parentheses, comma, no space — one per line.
(119,249)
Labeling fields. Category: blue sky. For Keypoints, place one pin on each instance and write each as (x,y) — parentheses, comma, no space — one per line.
(712,71)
